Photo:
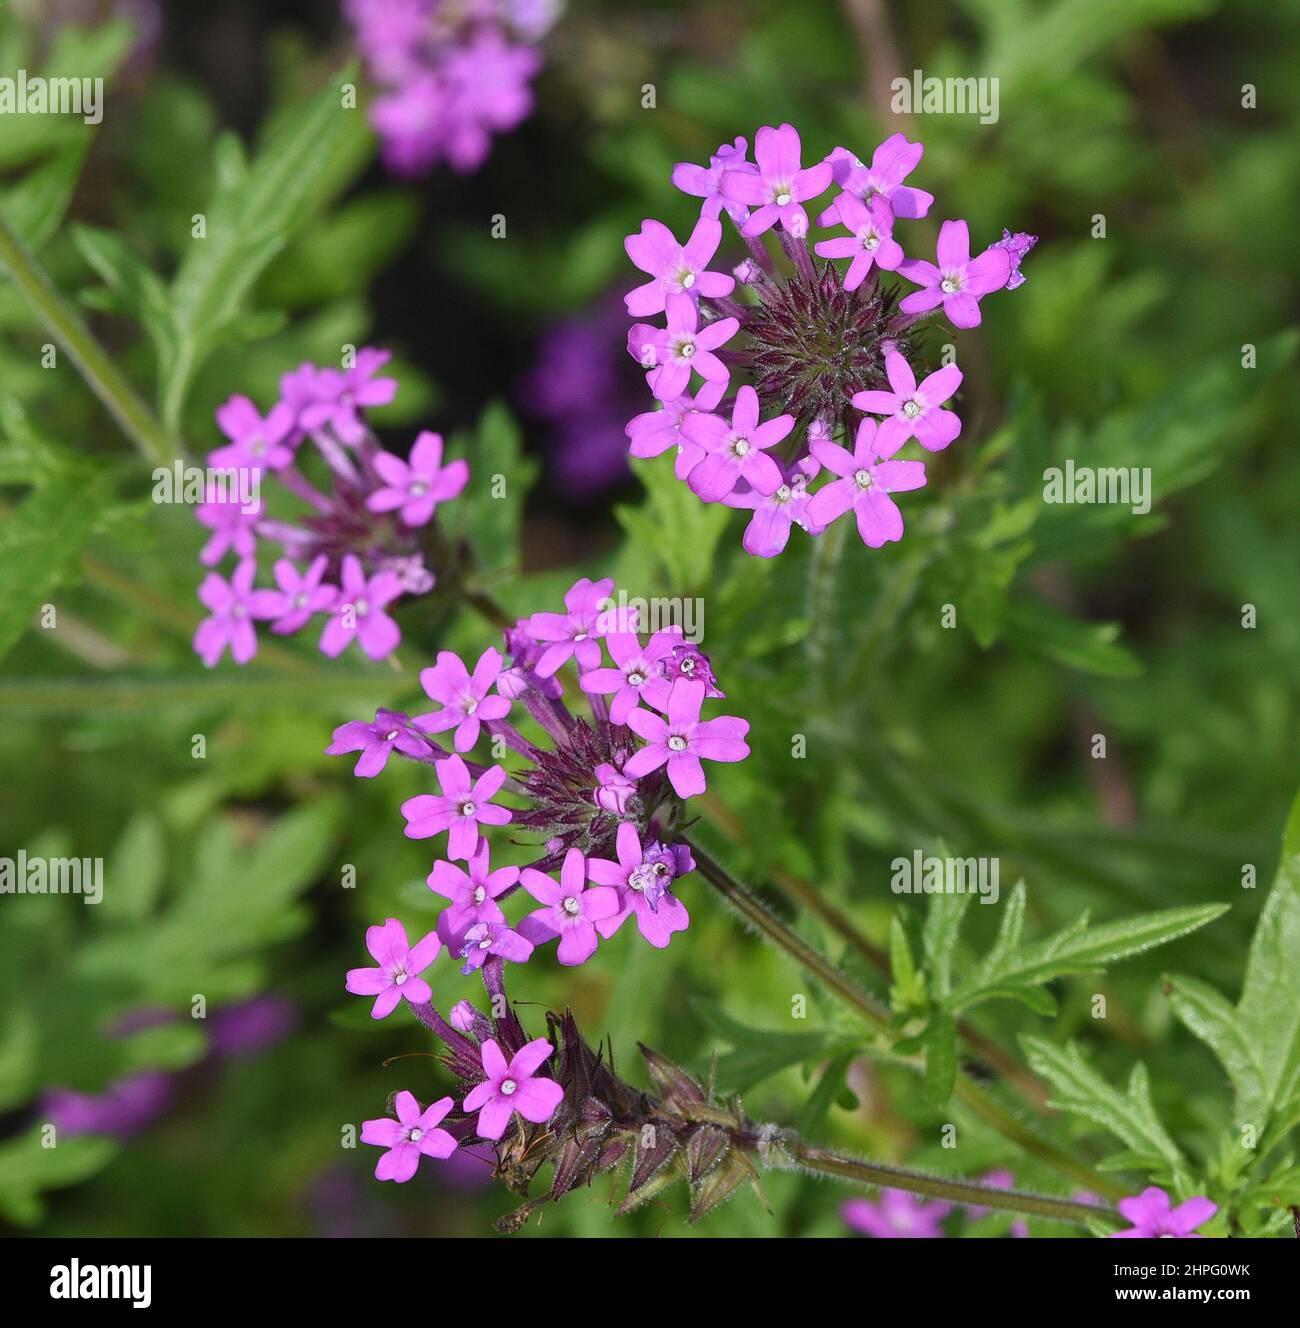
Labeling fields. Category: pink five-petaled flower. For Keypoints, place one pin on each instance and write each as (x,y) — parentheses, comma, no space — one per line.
(959,281)
(473,894)
(1151,1215)
(914,412)
(680,740)
(376,741)
(898,1214)
(872,239)
(399,967)
(768,531)
(415,487)
(229,517)
(867,478)
(651,434)
(464,696)
(513,1087)
(677,269)
(575,634)
(642,879)
(461,809)
(636,675)
(233,606)
(359,612)
(414,1134)
(891,163)
(254,441)
(570,911)
(780,187)
(736,451)
(706,181)
(670,353)
(302,593)
(336,396)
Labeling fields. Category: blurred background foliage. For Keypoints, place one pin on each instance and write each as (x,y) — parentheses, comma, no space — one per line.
(224,875)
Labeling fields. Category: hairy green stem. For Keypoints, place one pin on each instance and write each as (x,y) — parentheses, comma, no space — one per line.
(93,362)
(968,1091)
(972,1194)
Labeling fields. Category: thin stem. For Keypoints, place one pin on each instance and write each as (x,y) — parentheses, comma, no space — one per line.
(972,1194)
(750,907)
(93,362)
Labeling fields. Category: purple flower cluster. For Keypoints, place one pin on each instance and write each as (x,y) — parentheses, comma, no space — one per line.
(356,548)
(604,796)
(454,74)
(824,348)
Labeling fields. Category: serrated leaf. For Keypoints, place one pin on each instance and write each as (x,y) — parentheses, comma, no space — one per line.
(36,205)
(1130,1116)
(759,1053)
(1080,949)
(1258,1041)
(940,935)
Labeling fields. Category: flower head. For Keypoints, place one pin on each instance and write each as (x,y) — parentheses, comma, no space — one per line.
(464,696)
(569,910)
(576,633)
(780,186)
(513,1086)
(377,741)
(1152,1215)
(359,613)
(473,894)
(233,606)
(682,739)
(891,163)
(462,808)
(958,282)
(254,440)
(676,269)
(914,411)
(736,451)
(706,181)
(643,880)
(866,478)
(399,967)
(897,1214)
(413,1135)
(415,487)
(492,939)
(303,594)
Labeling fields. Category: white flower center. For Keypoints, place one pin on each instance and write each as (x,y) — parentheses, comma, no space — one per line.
(640,878)
(390,735)
(949,284)
(467,809)
(399,977)
(870,240)
(862,479)
(686,349)
(635,679)
(782,195)
(911,409)
(485,943)
(687,280)
(571,906)
(418,489)
(677,743)
(416,1134)
(508,1086)
(239,611)
(739,447)
(300,600)
(362,607)
(480,894)
(470,706)
(688,665)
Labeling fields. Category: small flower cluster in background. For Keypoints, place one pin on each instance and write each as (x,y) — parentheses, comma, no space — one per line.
(824,349)
(354,550)
(455,72)
(604,796)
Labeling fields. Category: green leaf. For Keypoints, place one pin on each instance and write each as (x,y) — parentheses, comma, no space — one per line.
(36,205)
(1035,625)
(940,1057)
(1258,1041)
(492,505)
(248,221)
(41,542)
(136,875)
(939,935)
(1078,949)
(28,1168)
(908,991)
(758,1053)
(672,531)
(1130,1116)
(133,289)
